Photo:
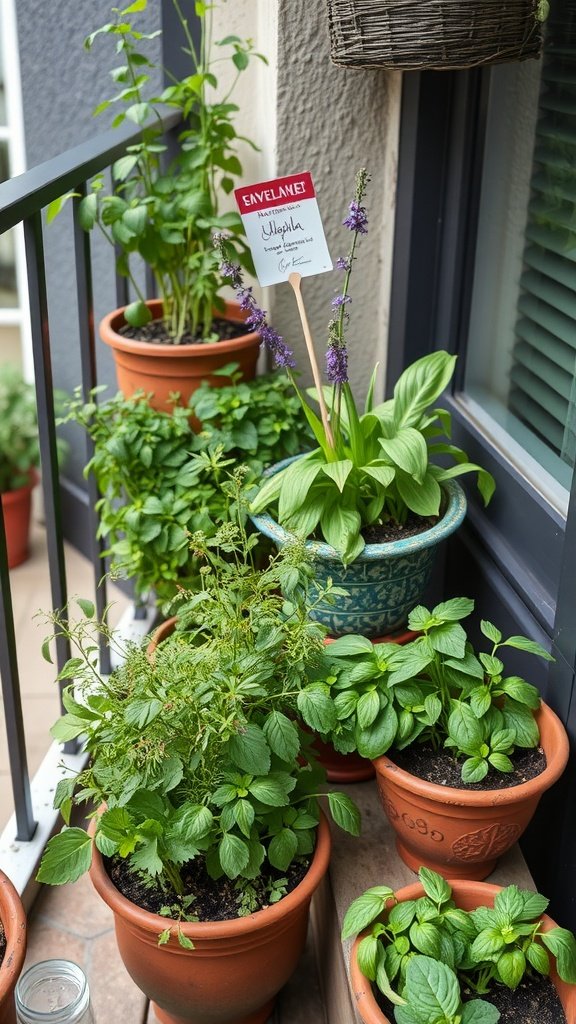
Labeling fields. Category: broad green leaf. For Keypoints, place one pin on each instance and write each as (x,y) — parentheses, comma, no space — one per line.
(433,988)
(435,886)
(367,708)
(268,494)
(488,943)
(57,205)
(339,472)
(521,691)
(233,854)
(345,646)
(365,909)
(66,857)
(244,816)
(511,967)
(317,708)
(341,528)
(196,821)
(273,789)
(474,769)
(282,736)
(297,480)
(383,474)
(425,938)
(420,385)
(378,737)
(137,314)
(453,610)
(249,749)
(282,849)
(408,451)
(141,712)
(449,639)
(562,945)
(464,728)
(522,722)
(367,956)
(490,631)
(521,643)
(422,497)
(344,812)
(401,916)
(534,905)
(537,956)
(479,1011)
(508,905)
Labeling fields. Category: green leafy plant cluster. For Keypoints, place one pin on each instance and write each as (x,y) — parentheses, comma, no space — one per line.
(382,465)
(166,210)
(19,443)
(435,689)
(194,749)
(160,481)
(423,953)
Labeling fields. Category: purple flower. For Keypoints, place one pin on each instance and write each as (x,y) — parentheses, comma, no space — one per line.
(340,300)
(256,319)
(357,219)
(343,263)
(337,364)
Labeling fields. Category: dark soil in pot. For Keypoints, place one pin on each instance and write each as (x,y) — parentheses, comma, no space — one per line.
(213,900)
(440,767)
(382,533)
(155,333)
(535,1001)
(2,942)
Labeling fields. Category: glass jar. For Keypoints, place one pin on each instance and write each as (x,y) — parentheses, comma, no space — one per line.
(53,992)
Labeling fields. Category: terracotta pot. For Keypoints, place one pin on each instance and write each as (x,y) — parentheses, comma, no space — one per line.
(461,833)
(467,896)
(385,582)
(237,967)
(351,768)
(17,506)
(162,369)
(13,918)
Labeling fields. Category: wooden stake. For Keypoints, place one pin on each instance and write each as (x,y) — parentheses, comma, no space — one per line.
(295,280)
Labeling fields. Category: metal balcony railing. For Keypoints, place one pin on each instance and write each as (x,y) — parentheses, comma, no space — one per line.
(22,201)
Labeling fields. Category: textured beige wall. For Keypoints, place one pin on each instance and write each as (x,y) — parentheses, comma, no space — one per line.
(309,115)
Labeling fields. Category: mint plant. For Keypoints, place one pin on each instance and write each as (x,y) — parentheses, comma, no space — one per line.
(435,689)
(160,482)
(195,750)
(422,953)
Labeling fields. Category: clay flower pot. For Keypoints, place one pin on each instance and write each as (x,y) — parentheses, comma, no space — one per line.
(17,506)
(458,832)
(385,582)
(236,968)
(13,918)
(162,369)
(349,768)
(467,896)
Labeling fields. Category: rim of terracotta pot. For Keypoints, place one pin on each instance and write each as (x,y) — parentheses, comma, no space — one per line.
(446,525)
(112,321)
(553,739)
(362,988)
(13,917)
(231,928)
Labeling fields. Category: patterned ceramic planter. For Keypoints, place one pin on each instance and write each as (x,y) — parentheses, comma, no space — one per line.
(386,580)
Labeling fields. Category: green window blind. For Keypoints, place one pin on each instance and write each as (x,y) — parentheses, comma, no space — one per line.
(542,380)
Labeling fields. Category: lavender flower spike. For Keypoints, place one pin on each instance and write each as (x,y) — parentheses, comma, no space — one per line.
(340,300)
(337,364)
(256,319)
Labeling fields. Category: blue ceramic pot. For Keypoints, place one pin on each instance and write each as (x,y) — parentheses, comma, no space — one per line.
(386,580)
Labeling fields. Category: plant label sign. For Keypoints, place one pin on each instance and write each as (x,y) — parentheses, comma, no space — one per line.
(283,227)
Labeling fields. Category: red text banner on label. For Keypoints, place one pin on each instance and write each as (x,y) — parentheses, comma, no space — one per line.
(277,192)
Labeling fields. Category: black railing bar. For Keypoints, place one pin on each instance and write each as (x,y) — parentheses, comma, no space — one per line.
(84,293)
(34,244)
(39,186)
(25,823)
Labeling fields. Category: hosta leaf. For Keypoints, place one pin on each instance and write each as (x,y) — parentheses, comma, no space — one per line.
(339,472)
(423,496)
(420,385)
(408,451)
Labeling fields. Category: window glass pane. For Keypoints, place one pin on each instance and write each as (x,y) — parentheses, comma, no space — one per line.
(521,360)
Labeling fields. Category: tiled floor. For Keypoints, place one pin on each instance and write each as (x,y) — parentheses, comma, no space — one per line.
(71,922)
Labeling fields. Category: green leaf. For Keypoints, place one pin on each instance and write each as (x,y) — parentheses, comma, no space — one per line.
(426,938)
(423,497)
(344,812)
(273,790)
(521,721)
(122,168)
(521,691)
(538,958)
(420,385)
(474,769)
(367,956)
(521,643)
(244,816)
(479,1011)
(249,749)
(297,480)
(365,909)
(66,857)
(282,849)
(367,708)
(282,736)
(433,988)
(435,886)
(233,853)
(88,608)
(408,451)
(464,728)
(562,945)
(487,944)
(341,528)
(346,646)
(383,474)
(511,967)
(508,905)
(137,314)
(339,472)
(490,631)
(449,639)
(317,708)
(141,712)
(57,205)
(378,737)
(534,905)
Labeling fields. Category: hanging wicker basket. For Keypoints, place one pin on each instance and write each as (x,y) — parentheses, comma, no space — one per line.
(404,35)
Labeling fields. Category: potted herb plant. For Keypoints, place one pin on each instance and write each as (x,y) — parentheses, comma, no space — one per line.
(438,952)
(19,457)
(209,841)
(160,481)
(471,749)
(164,211)
(12,946)
(371,494)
